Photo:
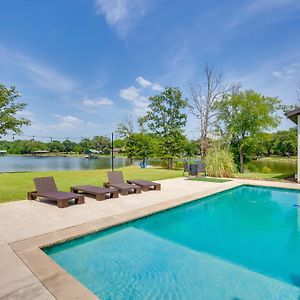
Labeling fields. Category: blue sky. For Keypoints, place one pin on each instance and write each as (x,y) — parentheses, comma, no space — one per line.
(84,65)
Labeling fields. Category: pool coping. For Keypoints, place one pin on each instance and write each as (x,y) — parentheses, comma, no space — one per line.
(63,285)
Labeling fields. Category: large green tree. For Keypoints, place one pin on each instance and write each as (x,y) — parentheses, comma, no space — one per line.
(244,114)
(285,142)
(140,146)
(166,119)
(8,110)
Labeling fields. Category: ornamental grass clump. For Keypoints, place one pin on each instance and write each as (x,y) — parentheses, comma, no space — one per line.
(219,163)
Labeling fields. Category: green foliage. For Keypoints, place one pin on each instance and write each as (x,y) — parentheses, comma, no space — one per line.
(191,148)
(219,162)
(285,142)
(140,146)
(243,115)
(99,143)
(166,120)
(8,110)
(266,170)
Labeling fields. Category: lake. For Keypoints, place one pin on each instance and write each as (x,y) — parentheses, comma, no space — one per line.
(283,166)
(14,163)
(18,163)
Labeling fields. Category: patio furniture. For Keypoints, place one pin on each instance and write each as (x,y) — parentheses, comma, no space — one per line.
(193,170)
(98,192)
(116,180)
(186,168)
(46,188)
(145,184)
(201,168)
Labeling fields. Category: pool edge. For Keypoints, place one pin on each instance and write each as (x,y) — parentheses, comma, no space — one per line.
(60,283)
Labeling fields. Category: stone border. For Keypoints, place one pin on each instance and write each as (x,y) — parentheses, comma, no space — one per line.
(60,283)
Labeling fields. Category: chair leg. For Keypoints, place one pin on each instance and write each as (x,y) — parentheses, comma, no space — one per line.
(137,190)
(100,197)
(62,203)
(124,192)
(114,195)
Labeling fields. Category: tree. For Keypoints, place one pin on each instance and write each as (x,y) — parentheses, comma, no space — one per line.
(166,120)
(68,146)
(102,144)
(125,128)
(55,146)
(8,110)
(285,142)
(140,146)
(246,114)
(204,96)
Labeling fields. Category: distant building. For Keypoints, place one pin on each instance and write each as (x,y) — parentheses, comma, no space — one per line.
(3,152)
(92,153)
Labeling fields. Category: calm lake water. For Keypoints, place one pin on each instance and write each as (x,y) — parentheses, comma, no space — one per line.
(32,163)
(11,163)
(286,166)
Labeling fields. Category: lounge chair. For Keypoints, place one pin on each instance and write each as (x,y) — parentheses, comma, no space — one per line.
(99,193)
(116,180)
(145,184)
(46,188)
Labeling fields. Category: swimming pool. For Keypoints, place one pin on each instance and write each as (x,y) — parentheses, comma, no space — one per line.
(243,243)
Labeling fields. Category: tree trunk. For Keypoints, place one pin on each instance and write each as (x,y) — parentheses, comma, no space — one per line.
(170,163)
(241,159)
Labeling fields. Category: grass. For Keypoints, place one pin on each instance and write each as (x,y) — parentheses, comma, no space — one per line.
(210,179)
(14,186)
(260,175)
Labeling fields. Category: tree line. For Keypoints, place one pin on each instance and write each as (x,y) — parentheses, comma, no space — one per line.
(234,125)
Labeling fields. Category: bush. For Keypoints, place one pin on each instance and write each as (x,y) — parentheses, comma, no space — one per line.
(266,170)
(219,163)
(178,165)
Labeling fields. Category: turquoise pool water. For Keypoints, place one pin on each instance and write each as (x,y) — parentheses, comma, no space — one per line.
(240,244)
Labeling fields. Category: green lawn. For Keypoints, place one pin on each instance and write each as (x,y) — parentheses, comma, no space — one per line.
(14,186)
(210,179)
(260,175)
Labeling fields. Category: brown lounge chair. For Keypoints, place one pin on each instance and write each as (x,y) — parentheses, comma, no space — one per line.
(116,180)
(145,184)
(99,193)
(46,188)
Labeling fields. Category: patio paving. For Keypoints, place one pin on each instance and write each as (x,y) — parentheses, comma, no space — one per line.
(26,219)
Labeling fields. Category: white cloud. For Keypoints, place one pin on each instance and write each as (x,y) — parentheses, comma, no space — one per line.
(98,102)
(148,84)
(43,75)
(289,71)
(122,15)
(139,102)
(67,122)
(143,82)
(277,74)
(24,114)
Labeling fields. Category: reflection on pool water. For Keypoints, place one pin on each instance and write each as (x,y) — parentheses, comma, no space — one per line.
(240,244)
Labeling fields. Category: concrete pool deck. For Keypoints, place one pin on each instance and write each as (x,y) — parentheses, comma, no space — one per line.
(27,273)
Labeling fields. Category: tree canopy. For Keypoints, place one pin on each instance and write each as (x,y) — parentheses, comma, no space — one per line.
(244,114)
(8,110)
(166,119)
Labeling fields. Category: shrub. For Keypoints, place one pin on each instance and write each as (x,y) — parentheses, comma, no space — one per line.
(219,162)
(178,165)
(266,170)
